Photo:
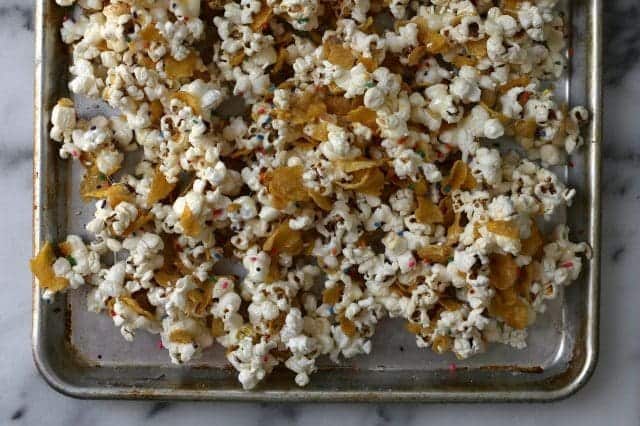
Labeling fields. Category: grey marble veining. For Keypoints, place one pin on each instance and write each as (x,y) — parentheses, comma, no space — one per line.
(611,397)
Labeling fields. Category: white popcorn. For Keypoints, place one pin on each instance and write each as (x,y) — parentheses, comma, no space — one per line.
(189,158)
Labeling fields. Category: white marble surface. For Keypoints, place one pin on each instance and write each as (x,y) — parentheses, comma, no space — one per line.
(611,397)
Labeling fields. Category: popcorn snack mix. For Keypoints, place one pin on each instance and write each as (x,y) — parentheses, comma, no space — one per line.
(362,180)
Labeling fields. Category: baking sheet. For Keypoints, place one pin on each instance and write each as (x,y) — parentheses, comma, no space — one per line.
(83,354)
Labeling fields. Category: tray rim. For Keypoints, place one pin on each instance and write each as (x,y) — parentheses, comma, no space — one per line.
(56,380)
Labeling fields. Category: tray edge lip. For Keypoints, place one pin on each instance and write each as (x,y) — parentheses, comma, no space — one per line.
(54,379)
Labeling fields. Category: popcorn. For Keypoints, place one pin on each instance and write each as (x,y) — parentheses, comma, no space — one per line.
(359,148)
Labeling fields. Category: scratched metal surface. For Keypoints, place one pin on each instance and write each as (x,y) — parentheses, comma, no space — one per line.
(83,354)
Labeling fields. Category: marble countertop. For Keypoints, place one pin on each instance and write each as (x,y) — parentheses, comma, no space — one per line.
(611,397)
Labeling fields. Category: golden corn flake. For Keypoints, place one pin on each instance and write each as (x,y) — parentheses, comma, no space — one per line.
(519,316)
(462,60)
(400,290)
(441,344)
(156,111)
(366,25)
(457,177)
(528,274)
(421,187)
(511,7)
(164,277)
(286,184)
(518,313)
(436,253)
(504,228)
(159,189)
(189,100)
(180,69)
(246,331)
(448,214)
(92,182)
(366,181)
(262,18)
(504,271)
(237,58)
(321,201)
(521,81)
(532,246)
(181,336)
(338,54)
(454,230)
(319,132)
(133,304)
(275,274)
(433,40)
(305,143)
(114,194)
(417,54)
(189,222)
(350,166)
(137,224)
(525,128)
(119,193)
(65,102)
(65,248)
(477,48)
(283,239)
(488,98)
(470,183)
(348,327)
(116,9)
(42,268)
(340,105)
(281,60)
(217,327)
(417,329)
(150,33)
(504,120)
(370,64)
(200,298)
(450,304)
(332,295)
(365,116)
(304,109)
(428,212)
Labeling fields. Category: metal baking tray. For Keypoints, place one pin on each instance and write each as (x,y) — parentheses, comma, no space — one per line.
(83,355)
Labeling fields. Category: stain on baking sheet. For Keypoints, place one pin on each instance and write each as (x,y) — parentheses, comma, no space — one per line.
(24,13)
(19,413)
(617,254)
(157,408)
